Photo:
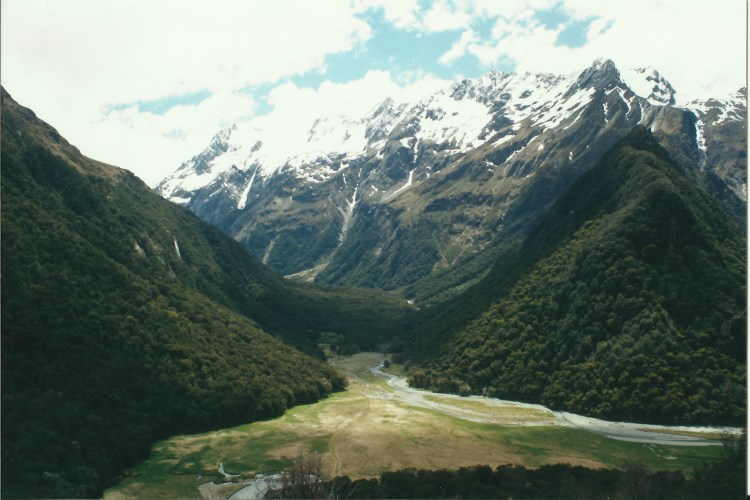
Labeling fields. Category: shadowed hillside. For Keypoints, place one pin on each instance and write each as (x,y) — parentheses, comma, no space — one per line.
(126,319)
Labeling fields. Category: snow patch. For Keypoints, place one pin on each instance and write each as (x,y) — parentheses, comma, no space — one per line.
(245,192)
(700,140)
(514,153)
(347,215)
(648,83)
(402,188)
(176,247)
(578,115)
(553,118)
(447,119)
(503,139)
(626,101)
(180,200)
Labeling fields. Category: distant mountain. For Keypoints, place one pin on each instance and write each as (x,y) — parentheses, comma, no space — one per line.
(627,301)
(126,319)
(420,196)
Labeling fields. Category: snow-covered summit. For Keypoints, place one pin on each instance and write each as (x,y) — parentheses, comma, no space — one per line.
(343,195)
(460,117)
(648,83)
(732,107)
(456,115)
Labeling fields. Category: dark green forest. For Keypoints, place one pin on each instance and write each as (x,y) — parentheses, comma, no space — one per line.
(626,302)
(125,319)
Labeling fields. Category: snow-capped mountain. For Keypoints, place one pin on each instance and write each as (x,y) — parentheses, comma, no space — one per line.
(648,83)
(721,136)
(413,191)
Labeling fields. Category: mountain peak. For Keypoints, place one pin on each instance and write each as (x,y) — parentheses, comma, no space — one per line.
(649,83)
(456,148)
(601,74)
(604,64)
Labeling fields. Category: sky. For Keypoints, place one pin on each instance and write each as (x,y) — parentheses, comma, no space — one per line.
(145,84)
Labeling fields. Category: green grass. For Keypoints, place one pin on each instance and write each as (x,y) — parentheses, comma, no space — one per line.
(396,369)
(538,444)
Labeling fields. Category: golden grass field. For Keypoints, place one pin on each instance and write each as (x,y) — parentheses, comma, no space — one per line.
(365,431)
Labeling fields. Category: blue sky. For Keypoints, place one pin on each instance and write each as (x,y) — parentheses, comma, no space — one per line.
(152,80)
(405,52)
(401,51)
(398,50)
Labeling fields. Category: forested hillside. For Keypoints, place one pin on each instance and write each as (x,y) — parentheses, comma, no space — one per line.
(627,302)
(126,319)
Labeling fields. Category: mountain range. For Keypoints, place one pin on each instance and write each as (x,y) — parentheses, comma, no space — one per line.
(420,196)
(573,241)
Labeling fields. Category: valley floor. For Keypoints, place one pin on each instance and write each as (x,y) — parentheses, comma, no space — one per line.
(381,424)
(500,412)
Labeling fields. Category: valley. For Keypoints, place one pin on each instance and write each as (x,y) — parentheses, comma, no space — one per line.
(381,424)
(374,249)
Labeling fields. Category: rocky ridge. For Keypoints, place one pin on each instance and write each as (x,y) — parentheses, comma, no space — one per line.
(414,196)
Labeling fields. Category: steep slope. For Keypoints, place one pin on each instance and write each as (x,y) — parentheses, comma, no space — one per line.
(721,136)
(419,196)
(627,302)
(125,319)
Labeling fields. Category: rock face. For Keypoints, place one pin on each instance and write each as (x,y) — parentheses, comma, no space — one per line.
(416,196)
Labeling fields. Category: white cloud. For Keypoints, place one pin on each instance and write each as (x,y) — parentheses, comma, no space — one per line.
(352,99)
(299,111)
(700,49)
(168,45)
(297,107)
(419,86)
(71,59)
(154,145)
(441,17)
(458,49)
(530,44)
(403,14)
(509,10)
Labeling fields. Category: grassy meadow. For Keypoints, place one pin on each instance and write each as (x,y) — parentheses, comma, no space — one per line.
(365,431)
